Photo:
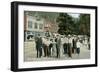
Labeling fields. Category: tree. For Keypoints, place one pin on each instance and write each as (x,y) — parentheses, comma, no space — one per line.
(76,26)
(84,26)
(65,24)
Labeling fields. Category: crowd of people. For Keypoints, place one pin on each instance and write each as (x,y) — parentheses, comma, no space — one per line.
(59,46)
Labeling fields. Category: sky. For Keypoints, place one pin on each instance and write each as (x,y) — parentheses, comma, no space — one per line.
(76,15)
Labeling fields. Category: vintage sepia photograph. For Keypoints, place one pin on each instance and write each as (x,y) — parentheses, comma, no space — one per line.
(52,36)
(56,36)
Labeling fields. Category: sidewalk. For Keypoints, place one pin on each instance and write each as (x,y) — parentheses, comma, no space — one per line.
(30,54)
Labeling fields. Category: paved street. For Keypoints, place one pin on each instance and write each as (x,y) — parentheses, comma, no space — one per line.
(30,54)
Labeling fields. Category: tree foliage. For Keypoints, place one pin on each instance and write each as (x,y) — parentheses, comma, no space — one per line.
(84,26)
(69,25)
(65,23)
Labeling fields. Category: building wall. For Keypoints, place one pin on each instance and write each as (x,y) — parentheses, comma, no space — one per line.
(31,22)
(34,22)
(33,26)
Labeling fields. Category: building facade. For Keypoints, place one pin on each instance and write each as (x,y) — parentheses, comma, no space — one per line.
(33,26)
(36,25)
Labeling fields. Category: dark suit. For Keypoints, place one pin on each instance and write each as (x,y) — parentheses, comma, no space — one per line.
(39,47)
(50,46)
(74,46)
(65,45)
(58,43)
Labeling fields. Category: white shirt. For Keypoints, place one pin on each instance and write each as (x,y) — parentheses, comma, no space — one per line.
(66,40)
(70,40)
(45,41)
(78,44)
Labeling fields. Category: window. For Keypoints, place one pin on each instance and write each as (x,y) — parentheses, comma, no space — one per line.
(28,32)
(29,24)
(35,25)
(41,26)
(38,19)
